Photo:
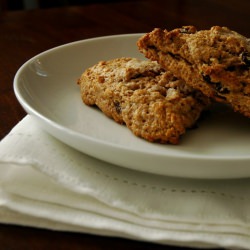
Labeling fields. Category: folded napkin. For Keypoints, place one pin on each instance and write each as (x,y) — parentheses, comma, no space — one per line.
(44,183)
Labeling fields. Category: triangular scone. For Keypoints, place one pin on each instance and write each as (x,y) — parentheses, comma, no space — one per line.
(153,103)
(215,61)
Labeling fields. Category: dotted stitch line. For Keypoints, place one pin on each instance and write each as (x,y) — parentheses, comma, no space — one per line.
(173,190)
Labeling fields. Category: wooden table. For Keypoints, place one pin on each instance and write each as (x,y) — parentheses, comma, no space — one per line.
(23,34)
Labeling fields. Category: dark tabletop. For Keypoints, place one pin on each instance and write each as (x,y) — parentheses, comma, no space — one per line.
(25,33)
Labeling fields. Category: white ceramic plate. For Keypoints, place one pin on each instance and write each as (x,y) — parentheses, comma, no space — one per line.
(46,88)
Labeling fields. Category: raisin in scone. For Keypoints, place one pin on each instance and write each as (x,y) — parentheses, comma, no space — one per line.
(215,61)
(152,103)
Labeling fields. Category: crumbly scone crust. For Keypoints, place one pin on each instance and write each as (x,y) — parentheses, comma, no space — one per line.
(215,61)
(152,103)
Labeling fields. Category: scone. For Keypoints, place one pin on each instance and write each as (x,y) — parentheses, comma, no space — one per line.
(215,61)
(152,103)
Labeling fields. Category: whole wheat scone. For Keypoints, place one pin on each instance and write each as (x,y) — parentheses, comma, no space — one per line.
(152,103)
(215,61)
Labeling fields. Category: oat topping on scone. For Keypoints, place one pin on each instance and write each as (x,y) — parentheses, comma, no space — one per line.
(215,61)
(154,104)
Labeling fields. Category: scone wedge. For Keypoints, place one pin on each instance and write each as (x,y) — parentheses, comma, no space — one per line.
(214,61)
(152,103)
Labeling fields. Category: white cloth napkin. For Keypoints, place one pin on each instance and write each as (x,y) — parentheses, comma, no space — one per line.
(44,183)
